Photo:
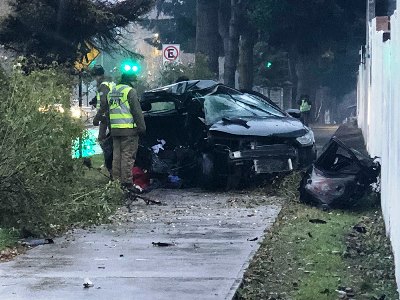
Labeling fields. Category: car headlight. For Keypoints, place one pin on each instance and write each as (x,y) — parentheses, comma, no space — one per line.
(307,139)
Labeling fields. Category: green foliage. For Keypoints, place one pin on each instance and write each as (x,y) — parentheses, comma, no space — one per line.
(328,32)
(197,71)
(271,66)
(41,185)
(8,238)
(302,260)
(56,30)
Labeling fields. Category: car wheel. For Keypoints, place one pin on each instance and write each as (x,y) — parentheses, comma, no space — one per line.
(207,171)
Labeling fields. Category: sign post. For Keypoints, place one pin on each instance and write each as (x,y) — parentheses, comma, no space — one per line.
(171,53)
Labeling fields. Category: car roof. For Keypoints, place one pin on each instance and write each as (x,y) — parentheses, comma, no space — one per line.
(184,87)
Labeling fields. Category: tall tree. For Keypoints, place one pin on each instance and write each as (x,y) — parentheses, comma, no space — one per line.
(312,32)
(232,56)
(58,29)
(207,36)
(248,39)
(175,23)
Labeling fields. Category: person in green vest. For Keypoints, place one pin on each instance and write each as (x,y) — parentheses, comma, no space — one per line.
(122,106)
(104,86)
(305,109)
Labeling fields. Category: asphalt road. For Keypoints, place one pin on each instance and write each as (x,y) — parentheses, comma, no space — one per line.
(323,134)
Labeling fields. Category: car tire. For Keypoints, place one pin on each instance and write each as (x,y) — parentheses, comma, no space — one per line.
(207,176)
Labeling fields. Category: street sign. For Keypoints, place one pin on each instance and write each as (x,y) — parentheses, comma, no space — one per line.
(171,53)
(87,59)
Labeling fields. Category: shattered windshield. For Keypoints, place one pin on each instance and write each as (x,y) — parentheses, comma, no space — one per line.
(219,106)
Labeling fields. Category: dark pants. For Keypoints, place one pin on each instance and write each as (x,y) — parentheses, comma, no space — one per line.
(105,142)
(306,117)
(124,155)
(107,148)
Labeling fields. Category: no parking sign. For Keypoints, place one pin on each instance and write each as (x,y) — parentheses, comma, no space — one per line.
(171,53)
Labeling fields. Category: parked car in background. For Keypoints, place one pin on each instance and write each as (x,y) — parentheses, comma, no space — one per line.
(211,134)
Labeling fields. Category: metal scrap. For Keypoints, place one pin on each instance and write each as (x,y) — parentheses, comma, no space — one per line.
(339,177)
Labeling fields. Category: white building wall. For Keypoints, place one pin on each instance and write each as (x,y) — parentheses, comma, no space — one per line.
(379,119)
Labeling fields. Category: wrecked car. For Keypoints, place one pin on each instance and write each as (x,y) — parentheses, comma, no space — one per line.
(214,135)
(339,177)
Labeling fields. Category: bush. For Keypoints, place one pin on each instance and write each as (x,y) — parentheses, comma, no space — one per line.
(41,186)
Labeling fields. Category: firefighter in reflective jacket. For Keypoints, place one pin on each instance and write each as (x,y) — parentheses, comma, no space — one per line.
(305,109)
(127,123)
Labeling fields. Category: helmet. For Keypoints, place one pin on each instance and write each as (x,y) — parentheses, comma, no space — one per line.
(128,77)
(97,70)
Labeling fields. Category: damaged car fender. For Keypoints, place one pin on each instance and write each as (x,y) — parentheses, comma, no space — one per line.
(339,177)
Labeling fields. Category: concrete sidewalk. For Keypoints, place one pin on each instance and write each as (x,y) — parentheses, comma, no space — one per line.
(213,245)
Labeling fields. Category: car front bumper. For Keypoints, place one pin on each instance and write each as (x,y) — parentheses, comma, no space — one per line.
(276,158)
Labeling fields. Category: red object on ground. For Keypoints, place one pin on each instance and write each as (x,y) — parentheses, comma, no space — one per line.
(140,178)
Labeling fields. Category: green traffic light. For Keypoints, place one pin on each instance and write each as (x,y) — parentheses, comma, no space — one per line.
(268,65)
(130,67)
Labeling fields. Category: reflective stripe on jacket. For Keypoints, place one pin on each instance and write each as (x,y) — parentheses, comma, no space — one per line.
(120,111)
(110,86)
(305,106)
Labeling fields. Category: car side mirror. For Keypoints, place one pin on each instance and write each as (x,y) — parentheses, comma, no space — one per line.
(146,106)
(295,113)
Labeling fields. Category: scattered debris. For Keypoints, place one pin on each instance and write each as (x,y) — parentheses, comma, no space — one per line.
(132,196)
(9,253)
(87,283)
(317,221)
(36,242)
(339,176)
(141,179)
(253,239)
(161,244)
(360,228)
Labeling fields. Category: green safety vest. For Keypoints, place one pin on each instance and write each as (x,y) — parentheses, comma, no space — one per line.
(305,106)
(110,85)
(120,111)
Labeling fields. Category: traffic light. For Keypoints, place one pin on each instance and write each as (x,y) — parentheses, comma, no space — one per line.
(130,67)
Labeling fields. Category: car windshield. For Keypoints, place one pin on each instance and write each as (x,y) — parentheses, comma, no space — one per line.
(219,106)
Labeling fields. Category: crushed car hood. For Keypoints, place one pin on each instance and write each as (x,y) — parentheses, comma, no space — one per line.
(272,126)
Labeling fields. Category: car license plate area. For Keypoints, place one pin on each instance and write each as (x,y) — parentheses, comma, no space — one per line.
(271,165)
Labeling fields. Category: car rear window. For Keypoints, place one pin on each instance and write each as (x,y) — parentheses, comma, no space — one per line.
(162,107)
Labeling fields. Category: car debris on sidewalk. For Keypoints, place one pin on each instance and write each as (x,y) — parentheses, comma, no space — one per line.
(339,177)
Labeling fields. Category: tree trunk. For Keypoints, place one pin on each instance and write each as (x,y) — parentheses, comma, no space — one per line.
(224,16)
(231,58)
(246,61)
(293,77)
(307,82)
(305,73)
(207,38)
